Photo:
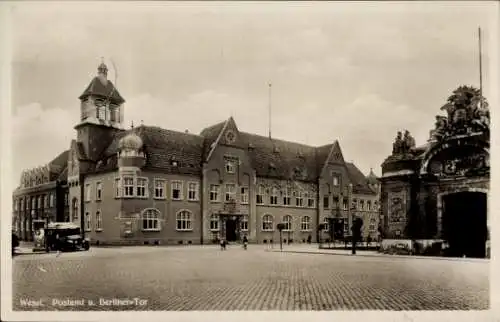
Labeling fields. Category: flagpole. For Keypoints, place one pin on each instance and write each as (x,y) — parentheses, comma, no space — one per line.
(480,70)
(269,107)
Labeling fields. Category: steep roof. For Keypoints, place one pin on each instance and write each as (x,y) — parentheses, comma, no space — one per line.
(162,147)
(358,180)
(371,178)
(58,166)
(281,159)
(102,88)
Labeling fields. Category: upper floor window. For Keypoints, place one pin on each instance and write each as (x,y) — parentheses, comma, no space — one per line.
(151,219)
(128,186)
(66,199)
(326,201)
(184,220)
(299,199)
(40,202)
(88,191)
(46,200)
(244,195)
(230,192)
(344,204)
(310,200)
(287,220)
(98,221)
(214,223)
(160,189)
(193,191)
(335,203)
(267,223)
(214,192)
(244,223)
(142,184)
(260,195)
(273,200)
(368,205)
(286,197)
(176,190)
(230,166)
(361,205)
(98,190)
(305,223)
(88,222)
(118,188)
(336,180)
(51,200)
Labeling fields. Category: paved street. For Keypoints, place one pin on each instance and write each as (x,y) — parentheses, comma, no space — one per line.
(205,278)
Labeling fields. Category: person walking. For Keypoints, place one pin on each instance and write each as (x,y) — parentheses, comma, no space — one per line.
(222,244)
(245,242)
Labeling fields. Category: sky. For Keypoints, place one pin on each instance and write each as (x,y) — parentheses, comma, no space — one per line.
(357,72)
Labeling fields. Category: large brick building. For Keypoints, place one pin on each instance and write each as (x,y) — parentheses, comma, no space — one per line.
(438,191)
(152,185)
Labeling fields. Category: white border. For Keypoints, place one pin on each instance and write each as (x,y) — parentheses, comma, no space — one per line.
(6,189)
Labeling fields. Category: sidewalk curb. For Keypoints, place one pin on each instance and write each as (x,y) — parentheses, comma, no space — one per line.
(471,260)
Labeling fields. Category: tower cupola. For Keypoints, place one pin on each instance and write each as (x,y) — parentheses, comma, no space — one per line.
(130,152)
(102,70)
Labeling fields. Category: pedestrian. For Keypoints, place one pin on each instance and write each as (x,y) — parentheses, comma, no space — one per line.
(222,244)
(245,242)
(309,239)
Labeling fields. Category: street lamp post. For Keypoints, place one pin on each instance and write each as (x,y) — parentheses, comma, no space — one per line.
(280,227)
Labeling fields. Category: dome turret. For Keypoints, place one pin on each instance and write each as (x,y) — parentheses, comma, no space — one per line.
(130,142)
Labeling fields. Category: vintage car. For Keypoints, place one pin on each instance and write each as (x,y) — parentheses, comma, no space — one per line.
(65,236)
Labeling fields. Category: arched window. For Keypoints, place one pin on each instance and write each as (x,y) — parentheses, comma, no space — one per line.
(214,223)
(98,221)
(244,223)
(184,220)
(74,210)
(151,219)
(287,220)
(267,223)
(305,223)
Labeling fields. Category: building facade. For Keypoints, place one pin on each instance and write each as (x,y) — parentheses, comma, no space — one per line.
(148,185)
(438,191)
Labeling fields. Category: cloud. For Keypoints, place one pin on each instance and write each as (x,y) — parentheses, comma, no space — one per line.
(39,135)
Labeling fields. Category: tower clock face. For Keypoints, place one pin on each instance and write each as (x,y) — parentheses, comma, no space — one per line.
(230,137)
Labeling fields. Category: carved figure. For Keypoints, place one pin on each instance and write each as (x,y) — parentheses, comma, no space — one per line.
(409,141)
(396,146)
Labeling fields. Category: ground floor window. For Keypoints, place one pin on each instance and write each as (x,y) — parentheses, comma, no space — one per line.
(214,223)
(98,221)
(287,220)
(244,223)
(151,219)
(184,220)
(88,222)
(305,223)
(267,223)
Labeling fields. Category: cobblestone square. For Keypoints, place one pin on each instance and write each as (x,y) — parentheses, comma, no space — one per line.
(205,278)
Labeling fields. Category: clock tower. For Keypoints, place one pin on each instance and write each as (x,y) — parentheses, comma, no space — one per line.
(101,114)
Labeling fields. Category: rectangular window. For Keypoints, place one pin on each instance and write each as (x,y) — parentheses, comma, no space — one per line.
(128,187)
(66,199)
(51,200)
(88,222)
(40,202)
(344,204)
(142,187)
(299,200)
(244,223)
(98,191)
(244,195)
(311,202)
(176,190)
(335,203)
(46,201)
(273,199)
(361,205)
(230,192)
(286,198)
(260,195)
(98,221)
(88,192)
(214,192)
(159,189)
(368,205)
(326,201)
(118,188)
(230,166)
(193,191)
(214,223)
(335,180)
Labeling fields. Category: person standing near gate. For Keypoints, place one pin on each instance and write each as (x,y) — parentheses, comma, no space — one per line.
(245,242)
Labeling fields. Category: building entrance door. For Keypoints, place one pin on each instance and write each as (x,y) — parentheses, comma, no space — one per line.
(465,223)
(231,233)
